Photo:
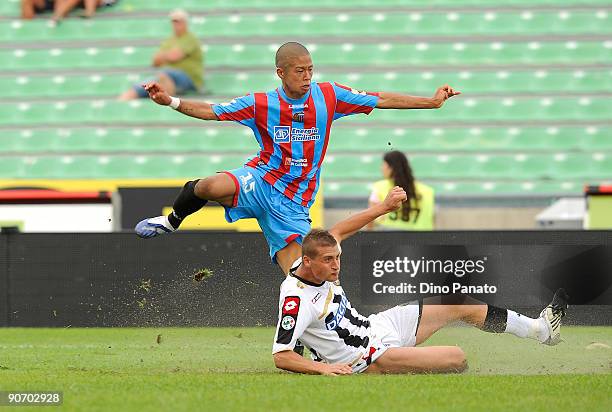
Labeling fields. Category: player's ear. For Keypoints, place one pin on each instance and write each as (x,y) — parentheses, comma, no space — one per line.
(280,73)
(306,260)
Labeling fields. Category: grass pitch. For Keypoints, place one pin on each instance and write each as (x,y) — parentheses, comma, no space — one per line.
(222,369)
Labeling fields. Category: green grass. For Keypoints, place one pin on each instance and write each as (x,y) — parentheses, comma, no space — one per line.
(231,369)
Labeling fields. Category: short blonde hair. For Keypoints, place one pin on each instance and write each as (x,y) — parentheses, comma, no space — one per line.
(315,239)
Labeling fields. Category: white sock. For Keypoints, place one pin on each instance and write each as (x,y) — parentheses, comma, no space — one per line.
(526,327)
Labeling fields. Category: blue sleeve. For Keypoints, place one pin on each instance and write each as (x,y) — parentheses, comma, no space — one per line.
(240,109)
(351,101)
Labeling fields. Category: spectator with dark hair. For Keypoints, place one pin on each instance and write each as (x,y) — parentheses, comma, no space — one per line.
(180,61)
(415,214)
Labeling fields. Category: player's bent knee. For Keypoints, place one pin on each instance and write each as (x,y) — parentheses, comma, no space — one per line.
(215,187)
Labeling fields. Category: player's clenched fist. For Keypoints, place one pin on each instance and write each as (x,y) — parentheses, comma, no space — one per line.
(394,199)
(444,93)
(336,369)
(157,94)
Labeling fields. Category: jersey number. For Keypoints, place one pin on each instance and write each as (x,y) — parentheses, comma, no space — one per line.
(396,215)
(247,185)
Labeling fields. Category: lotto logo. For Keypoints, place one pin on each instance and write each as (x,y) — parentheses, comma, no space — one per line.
(282,134)
(291,305)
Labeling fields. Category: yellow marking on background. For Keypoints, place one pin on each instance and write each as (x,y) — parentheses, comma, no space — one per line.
(112,185)
(213,218)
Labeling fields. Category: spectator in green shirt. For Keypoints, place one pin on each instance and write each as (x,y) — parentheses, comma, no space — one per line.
(180,60)
(417,213)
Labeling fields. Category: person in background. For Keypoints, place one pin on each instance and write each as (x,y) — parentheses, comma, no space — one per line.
(179,59)
(415,214)
(61,8)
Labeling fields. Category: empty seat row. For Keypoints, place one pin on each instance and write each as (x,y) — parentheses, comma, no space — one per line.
(481,166)
(366,167)
(334,55)
(237,83)
(339,188)
(211,139)
(11,7)
(470,109)
(430,23)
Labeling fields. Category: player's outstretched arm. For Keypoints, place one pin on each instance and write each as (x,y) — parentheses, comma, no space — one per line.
(388,100)
(349,226)
(199,110)
(292,362)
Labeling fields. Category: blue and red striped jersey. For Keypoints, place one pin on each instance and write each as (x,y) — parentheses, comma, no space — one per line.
(293,133)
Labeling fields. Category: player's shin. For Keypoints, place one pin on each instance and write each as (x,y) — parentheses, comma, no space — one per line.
(185,204)
(500,320)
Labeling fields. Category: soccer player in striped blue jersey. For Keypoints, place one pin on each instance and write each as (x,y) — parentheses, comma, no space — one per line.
(292,127)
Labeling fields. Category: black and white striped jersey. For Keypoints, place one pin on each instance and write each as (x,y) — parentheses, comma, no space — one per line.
(323,319)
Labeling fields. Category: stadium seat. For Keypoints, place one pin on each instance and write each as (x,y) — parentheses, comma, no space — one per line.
(546,134)
(250,55)
(411,140)
(349,167)
(350,23)
(346,189)
(12,167)
(238,83)
(486,108)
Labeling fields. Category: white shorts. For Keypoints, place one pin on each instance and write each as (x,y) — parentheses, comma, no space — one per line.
(393,328)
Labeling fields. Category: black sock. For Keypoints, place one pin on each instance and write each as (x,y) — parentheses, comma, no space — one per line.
(185,204)
(496,319)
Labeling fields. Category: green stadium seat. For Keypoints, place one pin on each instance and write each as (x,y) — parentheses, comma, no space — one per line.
(595,138)
(545,135)
(431,23)
(368,140)
(64,167)
(198,5)
(346,189)
(12,167)
(465,109)
(581,166)
(238,83)
(400,55)
(11,7)
(351,167)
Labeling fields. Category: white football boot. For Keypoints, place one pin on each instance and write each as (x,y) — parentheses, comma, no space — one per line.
(552,315)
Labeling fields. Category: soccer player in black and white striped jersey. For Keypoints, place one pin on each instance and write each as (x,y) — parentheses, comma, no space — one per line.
(314,308)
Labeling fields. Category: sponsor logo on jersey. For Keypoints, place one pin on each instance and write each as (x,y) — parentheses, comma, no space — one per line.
(291,306)
(288,322)
(287,134)
(289,313)
(282,134)
(298,117)
(305,135)
(298,106)
(296,162)
(316,298)
(335,321)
